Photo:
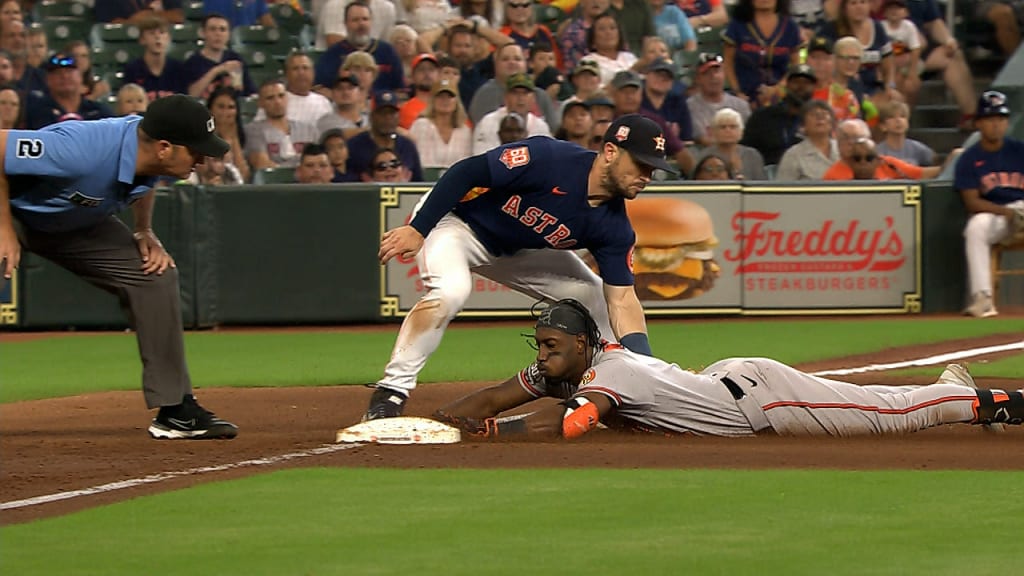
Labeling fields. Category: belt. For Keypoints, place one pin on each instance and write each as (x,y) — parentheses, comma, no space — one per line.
(734,388)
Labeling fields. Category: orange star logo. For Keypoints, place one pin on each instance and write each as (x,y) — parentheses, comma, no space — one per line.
(659,143)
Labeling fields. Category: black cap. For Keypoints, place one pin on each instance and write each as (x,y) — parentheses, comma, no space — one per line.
(992,103)
(599,99)
(625,78)
(819,44)
(184,121)
(642,138)
(547,77)
(663,65)
(570,104)
(802,70)
(60,60)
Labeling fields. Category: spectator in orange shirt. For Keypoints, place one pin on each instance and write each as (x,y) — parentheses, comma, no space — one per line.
(858,158)
(424,75)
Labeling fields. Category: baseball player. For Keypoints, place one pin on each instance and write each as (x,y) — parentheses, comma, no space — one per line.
(990,178)
(603,382)
(513,214)
(61,189)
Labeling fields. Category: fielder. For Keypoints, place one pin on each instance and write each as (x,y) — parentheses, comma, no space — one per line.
(61,189)
(512,215)
(603,382)
(990,178)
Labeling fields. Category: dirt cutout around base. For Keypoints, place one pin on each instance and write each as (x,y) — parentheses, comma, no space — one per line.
(64,444)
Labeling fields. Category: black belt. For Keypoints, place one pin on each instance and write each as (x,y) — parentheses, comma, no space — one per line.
(733,388)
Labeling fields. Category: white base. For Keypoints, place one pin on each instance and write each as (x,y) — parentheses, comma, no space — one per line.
(402,430)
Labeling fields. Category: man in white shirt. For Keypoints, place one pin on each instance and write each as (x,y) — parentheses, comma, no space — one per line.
(711,97)
(304,105)
(330,21)
(519,98)
(277,141)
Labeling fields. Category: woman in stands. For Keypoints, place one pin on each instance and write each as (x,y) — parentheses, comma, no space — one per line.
(442,133)
(227,118)
(386,167)
(726,133)
(761,41)
(608,48)
(10,108)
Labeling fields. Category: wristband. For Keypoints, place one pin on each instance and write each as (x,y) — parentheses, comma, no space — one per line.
(637,342)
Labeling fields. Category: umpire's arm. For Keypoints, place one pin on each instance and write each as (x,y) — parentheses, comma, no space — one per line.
(10,250)
(627,317)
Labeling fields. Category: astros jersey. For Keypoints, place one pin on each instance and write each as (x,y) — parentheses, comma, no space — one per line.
(999,175)
(73,174)
(538,199)
(652,393)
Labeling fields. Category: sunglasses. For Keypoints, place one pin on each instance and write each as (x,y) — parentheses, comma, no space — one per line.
(520,5)
(62,61)
(708,57)
(396,163)
(864,157)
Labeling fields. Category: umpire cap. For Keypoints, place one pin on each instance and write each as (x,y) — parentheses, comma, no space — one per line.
(642,138)
(184,121)
(992,103)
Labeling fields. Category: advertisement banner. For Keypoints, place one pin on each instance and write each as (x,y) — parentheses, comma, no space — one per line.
(730,249)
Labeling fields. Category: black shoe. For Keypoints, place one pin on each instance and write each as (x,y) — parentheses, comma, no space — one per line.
(190,421)
(385,403)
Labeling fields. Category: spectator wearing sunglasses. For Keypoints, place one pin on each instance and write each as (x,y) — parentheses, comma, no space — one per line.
(713,166)
(386,167)
(710,97)
(858,158)
(65,100)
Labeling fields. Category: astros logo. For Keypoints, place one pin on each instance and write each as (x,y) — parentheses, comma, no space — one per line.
(659,143)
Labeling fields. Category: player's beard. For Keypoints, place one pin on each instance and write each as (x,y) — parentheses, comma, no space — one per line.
(611,185)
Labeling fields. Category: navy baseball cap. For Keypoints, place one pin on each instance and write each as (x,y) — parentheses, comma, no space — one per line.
(58,61)
(185,121)
(992,103)
(642,138)
(384,99)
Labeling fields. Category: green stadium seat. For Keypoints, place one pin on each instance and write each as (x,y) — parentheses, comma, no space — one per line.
(194,11)
(548,15)
(182,50)
(710,39)
(274,176)
(261,75)
(267,39)
(186,32)
(115,57)
(62,9)
(433,174)
(248,107)
(103,33)
(61,31)
(256,57)
(115,78)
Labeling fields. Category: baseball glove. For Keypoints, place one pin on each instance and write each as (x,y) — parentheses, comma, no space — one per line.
(1016,235)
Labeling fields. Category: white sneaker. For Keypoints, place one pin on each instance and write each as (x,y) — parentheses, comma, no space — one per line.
(981,306)
(957,374)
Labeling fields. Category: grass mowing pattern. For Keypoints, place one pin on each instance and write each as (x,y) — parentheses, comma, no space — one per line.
(65,366)
(516,522)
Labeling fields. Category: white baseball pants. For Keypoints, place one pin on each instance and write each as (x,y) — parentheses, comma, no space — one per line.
(982,231)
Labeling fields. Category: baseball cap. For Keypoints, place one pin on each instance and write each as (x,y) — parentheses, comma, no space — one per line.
(708,60)
(663,65)
(60,60)
(992,103)
(802,70)
(446,85)
(184,121)
(587,66)
(570,104)
(519,80)
(349,77)
(887,3)
(547,77)
(819,44)
(426,56)
(599,99)
(626,78)
(642,138)
(332,133)
(385,98)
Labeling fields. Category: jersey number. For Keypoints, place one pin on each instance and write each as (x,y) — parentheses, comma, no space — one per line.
(28,148)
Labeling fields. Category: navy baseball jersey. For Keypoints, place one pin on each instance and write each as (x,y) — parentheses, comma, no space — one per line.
(537,198)
(999,175)
(73,174)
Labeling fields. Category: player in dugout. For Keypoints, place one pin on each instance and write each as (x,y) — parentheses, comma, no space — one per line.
(605,383)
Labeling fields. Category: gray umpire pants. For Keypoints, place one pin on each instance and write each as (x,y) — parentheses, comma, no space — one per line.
(106,255)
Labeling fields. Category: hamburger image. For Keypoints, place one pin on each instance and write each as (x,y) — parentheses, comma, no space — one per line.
(673,257)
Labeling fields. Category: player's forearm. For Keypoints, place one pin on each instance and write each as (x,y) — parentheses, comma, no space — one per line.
(142,212)
(449,189)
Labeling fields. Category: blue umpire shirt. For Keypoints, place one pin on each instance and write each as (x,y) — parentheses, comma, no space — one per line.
(73,175)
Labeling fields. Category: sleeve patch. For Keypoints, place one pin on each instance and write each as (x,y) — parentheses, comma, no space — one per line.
(515,157)
(28,148)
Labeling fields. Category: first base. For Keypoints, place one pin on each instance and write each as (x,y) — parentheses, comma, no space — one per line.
(402,430)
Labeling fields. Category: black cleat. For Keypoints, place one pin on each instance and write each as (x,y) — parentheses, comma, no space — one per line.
(385,403)
(190,421)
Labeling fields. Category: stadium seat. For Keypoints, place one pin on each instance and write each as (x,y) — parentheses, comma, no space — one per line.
(186,32)
(115,57)
(261,75)
(182,50)
(115,78)
(274,176)
(710,40)
(194,11)
(686,60)
(548,15)
(54,9)
(61,31)
(268,39)
(103,34)
(248,107)
(997,266)
(255,56)
(433,174)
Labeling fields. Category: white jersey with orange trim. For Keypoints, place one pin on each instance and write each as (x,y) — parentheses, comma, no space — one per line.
(744,396)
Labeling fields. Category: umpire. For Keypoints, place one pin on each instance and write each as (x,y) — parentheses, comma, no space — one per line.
(61,189)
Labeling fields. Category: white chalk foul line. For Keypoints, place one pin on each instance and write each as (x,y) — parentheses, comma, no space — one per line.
(153,478)
(330,448)
(928,361)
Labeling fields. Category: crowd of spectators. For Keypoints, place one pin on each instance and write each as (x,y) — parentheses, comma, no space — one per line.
(399,90)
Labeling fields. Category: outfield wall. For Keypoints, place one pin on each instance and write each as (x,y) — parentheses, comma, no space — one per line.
(295,254)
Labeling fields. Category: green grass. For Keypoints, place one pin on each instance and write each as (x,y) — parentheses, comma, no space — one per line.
(63,366)
(517,522)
